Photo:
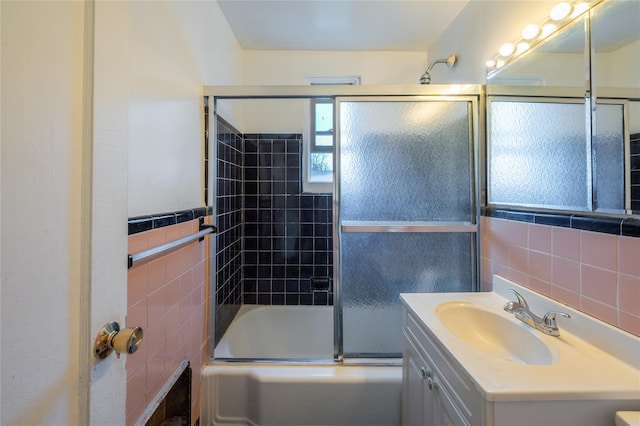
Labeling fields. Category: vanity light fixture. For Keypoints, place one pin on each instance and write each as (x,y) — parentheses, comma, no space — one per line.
(560,15)
(547,30)
(560,11)
(521,48)
(579,9)
(507,50)
(531,31)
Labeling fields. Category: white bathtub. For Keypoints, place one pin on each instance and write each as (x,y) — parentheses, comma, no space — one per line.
(285,393)
(259,332)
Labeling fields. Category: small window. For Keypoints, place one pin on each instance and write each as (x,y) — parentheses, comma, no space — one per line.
(321,143)
(318,158)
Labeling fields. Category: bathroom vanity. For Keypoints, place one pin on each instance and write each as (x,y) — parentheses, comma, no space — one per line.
(468,362)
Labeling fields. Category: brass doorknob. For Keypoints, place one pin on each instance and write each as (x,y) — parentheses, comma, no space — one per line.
(111,338)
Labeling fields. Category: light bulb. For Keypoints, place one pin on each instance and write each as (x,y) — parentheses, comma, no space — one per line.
(522,47)
(579,9)
(547,29)
(491,63)
(560,11)
(507,49)
(530,32)
(500,63)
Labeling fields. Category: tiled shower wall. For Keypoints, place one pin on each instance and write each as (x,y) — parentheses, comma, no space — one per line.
(274,243)
(594,272)
(287,235)
(229,223)
(635,172)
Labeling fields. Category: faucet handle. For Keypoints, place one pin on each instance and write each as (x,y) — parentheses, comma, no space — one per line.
(513,306)
(521,301)
(549,318)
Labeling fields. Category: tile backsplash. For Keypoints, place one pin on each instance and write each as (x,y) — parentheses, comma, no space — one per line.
(166,297)
(594,272)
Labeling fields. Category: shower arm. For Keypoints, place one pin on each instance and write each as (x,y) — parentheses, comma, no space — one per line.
(438,61)
(449,60)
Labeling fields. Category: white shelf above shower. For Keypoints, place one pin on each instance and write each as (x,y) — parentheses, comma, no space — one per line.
(407,226)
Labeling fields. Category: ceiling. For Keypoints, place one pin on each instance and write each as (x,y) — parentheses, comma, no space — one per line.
(382,25)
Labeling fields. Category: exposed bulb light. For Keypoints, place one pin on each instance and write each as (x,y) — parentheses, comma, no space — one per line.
(507,49)
(533,33)
(522,47)
(547,29)
(530,32)
(579,9)
(560,11)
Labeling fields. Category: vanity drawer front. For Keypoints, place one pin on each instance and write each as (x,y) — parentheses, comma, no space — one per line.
(463,392)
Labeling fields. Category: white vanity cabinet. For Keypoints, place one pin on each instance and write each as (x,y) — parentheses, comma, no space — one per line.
(431,393)
(582,378)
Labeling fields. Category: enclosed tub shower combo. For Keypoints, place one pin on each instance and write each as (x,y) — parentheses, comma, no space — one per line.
(307,320)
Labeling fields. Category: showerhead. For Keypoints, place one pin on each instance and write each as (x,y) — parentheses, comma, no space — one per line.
(449,60)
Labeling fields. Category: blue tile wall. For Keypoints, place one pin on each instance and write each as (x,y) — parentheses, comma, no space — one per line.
(154,221)
(288,249)
(635,172)
(229,146)
(274,243)
(617,225)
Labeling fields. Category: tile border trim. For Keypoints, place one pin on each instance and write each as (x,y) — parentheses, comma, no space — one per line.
(154,221)
(624,226)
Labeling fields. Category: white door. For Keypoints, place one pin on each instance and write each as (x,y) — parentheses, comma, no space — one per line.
(63,209)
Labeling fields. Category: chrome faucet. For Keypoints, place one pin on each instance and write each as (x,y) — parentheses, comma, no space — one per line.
(520,309)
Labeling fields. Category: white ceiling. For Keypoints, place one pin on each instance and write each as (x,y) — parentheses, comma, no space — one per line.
(383,25)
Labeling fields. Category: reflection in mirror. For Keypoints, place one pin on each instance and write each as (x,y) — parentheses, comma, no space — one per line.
(531,163)
(558,61)
(608,151)
(615,37)
(611,83)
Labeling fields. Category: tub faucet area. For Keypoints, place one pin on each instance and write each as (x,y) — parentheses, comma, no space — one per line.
(547,324)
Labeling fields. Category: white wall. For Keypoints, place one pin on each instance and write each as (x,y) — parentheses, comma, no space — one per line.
(175,49)
(151,61)
(619,68)
(291,67)
(42,95)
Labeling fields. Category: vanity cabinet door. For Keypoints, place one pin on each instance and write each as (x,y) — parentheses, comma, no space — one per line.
(428,395)
(445,412)
(417,400)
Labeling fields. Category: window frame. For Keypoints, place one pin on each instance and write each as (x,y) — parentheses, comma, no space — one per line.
(309,140)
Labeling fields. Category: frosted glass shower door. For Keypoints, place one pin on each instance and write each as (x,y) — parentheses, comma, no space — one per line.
(406,212)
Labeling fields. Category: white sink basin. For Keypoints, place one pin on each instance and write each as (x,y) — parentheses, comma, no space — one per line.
(493,333)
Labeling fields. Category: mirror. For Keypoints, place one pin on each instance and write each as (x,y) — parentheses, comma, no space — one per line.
(615,60)
(558,61)
(544,89)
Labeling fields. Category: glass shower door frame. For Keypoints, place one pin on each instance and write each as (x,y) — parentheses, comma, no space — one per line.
(476,93)
(340,227)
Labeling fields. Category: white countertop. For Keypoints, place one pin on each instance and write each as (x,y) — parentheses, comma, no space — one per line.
(581,370)
(628,418)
